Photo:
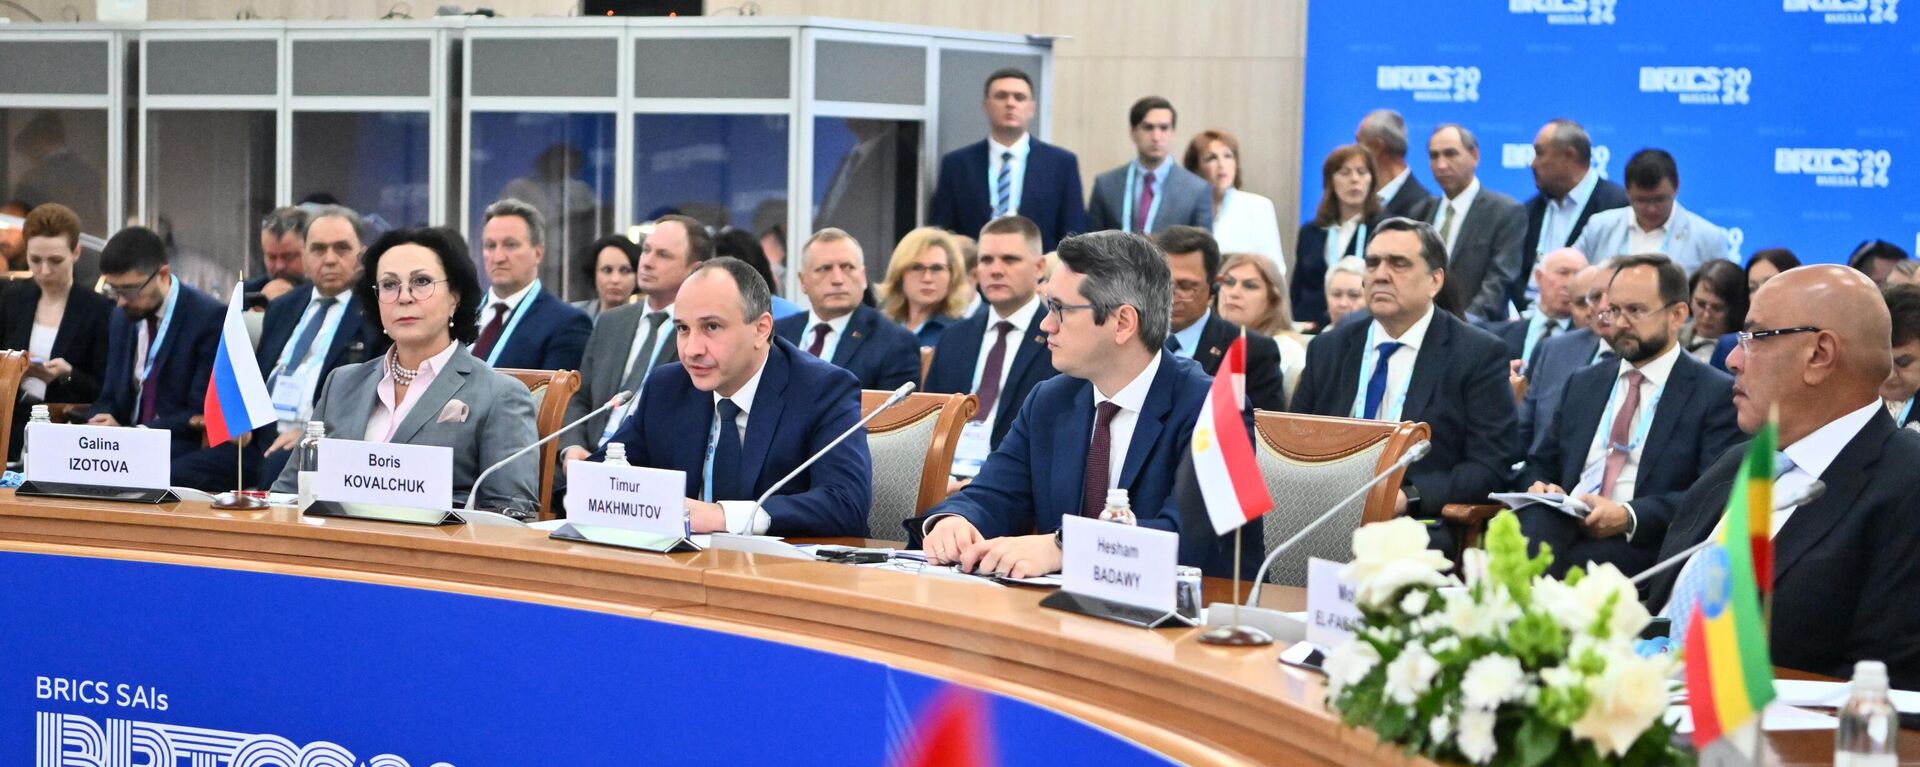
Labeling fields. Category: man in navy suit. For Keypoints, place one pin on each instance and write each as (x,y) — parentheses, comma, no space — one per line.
(999,353)
(1383,133)
(743,408)
(1121,416)
(1010,172)
(161,341)
(1630,437)
(521,325)
(1571,191)
(1151,192)
(1552,315)
(1193,258)
(1416,360)
(841,329)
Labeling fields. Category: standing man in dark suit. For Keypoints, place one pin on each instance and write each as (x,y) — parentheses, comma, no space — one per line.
(1150,192)
(1193,258)
(1482,228)
(522,325)
(743,409)
(1846,565)
(841,329)
(1383,133)
(1631,437)
(1009,172)
(280,252)
(999,353)
(1121,417)
(161,341)
(1571,191)
(1416,360)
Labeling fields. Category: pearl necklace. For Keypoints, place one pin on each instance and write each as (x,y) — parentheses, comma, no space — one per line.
(401,375)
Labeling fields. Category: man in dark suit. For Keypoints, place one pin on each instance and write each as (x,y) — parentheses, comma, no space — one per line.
(1630,437)
(999,353)
(1845,565)
(281,253)
(1010,171)
(1150,192)
(743,409)
(1571,191)
(1383,133)
(1415,360)
(1559,357)
(522,325)
(1121,417)
(1552,315)
(1193,258)
(841,329)
(1481,227)
(161,341)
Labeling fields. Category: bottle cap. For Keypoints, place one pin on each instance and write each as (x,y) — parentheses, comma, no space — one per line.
(316,429)
(1117,497)
(40,411)
(1869,676)
(616,451)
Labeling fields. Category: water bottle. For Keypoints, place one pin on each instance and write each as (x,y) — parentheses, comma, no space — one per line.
(1869,725)
(616,454)
(307,458)
(1118,508)
(39,414)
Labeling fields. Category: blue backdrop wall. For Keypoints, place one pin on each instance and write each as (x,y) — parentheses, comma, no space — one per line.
(1791,120)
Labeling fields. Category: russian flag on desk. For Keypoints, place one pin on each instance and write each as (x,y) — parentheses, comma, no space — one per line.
(237,400)
(1223,461)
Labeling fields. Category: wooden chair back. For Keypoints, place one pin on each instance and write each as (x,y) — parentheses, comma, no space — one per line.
(551,390)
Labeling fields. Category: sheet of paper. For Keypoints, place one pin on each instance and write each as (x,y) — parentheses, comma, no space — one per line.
(1780,717)
(1570,506)
(1801,692)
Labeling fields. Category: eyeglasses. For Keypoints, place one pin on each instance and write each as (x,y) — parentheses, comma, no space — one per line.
(1630,313)
(420,288)
(936,270)
(1057,309)
(1748,337)
(133,292)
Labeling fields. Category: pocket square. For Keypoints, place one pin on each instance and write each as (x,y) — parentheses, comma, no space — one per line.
(454,412)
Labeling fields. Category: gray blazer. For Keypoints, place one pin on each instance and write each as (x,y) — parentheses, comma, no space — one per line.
(1695,241)
(1184,199)
(499,421)
(1487,250)
(602,366)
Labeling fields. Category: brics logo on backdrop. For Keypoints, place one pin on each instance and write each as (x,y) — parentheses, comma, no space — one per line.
(1431,83)
(1699,85)
(1843,168)
(1847,11)
(1520,157)
(1567,12)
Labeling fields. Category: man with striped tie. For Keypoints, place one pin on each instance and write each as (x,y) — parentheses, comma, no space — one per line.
(1010,172)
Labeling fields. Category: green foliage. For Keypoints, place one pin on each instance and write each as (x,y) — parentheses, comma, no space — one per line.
(1507,561)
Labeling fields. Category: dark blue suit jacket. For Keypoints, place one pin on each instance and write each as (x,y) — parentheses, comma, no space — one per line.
(181,370)
(1606,196)
(1692,426)
(552,336)
(959,352)
(801,405)
(1049,192)
(929,332)
(1554,361)
(1459,388)
(1307,286)
(875,349)
(1035,476)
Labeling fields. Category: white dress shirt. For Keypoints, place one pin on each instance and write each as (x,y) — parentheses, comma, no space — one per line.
(1022,318)
(40,347)
(1247,223)
(1392,188)
(1340,240)
(387,414)
(1644,241)
(1016,178)
(1189,338)
(742,517)
(837,329)
(305,374)
(1130,398)
(1562,214)
(1399,366)
(1653,382)
(1456,208)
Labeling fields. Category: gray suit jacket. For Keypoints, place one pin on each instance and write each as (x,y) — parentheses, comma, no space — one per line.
(499,421)
(1486,251)
(1184,199)
(1695,241)
(602,367)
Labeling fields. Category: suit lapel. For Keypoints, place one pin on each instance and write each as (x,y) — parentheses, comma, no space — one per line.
(357,394)
(1429,366)
(1669,411)
(445,384)
(1845,478)
(962,353)
(1028,346)
(764,420)
(1347,374)
(69,321)
(611,372)
(1152,420)
(859,327)
(1070,449)
(1028,173)
(346,334)
(1214,338)
(1586,406)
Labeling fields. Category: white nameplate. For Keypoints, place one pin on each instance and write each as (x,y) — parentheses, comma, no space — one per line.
(99,455)
(384,473)
(627,498)
(1120,563)
(1331,613)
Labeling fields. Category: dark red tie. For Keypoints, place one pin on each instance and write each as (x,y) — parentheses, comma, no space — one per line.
(990,377)
(1093,495)
(1145,205)
(820,332)
(491,333)
(149,394)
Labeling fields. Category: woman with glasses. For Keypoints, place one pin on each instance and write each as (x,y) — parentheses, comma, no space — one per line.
(1719,298)
(421,289)
(61,325)
(610,263)
(925,288)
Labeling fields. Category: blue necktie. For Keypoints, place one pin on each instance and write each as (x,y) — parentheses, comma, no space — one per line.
(1173,344)
(1377,385)
(304,343)
(1003,186)
(726,454)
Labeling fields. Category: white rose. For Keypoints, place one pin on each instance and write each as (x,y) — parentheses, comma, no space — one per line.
(1380,586)
(1349,663)
(1444,645)
(1414,603)
(1475,737)
(1438,728)
(1485,617)
(1491,681)
(1473,567)
(1410,674)
(1564,604)
(1626,699)
(1629,616)
(1394,551)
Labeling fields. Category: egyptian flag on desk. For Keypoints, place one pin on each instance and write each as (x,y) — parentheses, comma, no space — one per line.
(1223,461)
(237,400)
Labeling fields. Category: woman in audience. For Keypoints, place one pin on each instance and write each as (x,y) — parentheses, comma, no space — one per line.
(1903,303)
(62,326)
(428,389)
(1344,289)
(611,261)
(1253,295)
(1348,206)
(1719,290)
(1764,264)
(1243,222)
(926,287)
(1904,273)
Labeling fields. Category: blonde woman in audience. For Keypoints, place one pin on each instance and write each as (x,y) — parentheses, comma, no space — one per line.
(926,288)
(1344,289)
(1253,295)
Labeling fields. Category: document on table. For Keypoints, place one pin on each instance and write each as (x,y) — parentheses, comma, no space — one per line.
(1802,692)
(1779,717)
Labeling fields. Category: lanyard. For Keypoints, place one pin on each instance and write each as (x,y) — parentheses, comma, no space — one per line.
(1639,434)
(1905,410)
(1359,238)
(519,313)
(160,335)
(713,443)
(1388,411)
(1133,172)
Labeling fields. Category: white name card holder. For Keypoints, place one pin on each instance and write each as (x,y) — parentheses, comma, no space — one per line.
(1118,572)
(631,507)
(100,463)
(426,470)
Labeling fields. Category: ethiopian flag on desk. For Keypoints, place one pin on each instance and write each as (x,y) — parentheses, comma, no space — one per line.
(1729,671)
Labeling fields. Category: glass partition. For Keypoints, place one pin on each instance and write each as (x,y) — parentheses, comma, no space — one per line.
(56,155)
(372,162)
(561,164)
(865,181)
(210,179)
(726,170)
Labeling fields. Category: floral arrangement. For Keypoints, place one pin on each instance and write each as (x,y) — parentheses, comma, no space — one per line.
(1509,668)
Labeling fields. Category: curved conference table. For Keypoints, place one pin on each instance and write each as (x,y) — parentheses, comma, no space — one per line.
(475,641)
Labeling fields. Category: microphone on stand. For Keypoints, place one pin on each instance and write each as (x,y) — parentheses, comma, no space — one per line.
(473,493)
(1809,495)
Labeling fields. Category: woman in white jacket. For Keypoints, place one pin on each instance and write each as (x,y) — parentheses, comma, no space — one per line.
(1243,222)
